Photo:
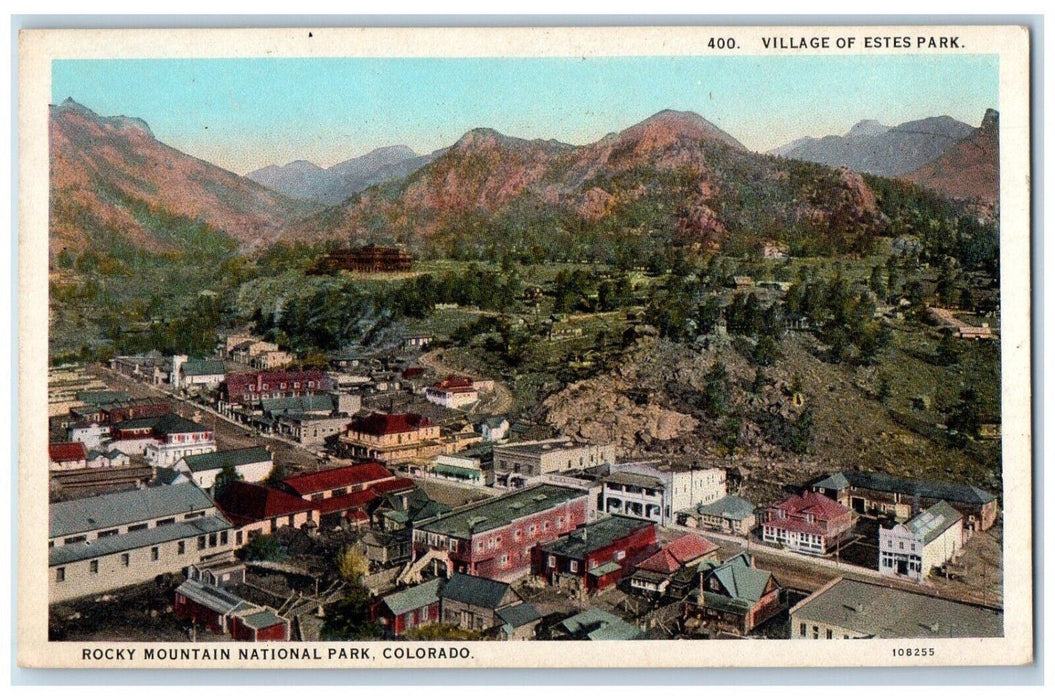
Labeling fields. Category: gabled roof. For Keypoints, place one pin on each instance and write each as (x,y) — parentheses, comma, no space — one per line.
(732,507)
(474,590)
(677,554)
(245,503)
(454,383)
(99,398)
(813,503)
(338,477)
(215,599)
(125,507)
(742,582)
(234,458)
(415,597)
(67,451)
(597,625)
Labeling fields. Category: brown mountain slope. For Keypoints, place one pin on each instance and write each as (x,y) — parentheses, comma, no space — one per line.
(968,170)
(674,174)
(110,176)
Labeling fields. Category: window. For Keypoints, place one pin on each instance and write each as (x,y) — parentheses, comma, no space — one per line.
(212,540)
(201,543)
(192,516)
(126,559)
(816,632)
(165,521)
(60,574)
(181,547)
(107,533)
(93,566)
(155,554)
(802,630)
(223,537)
(573,566)
(552,562)
(828,634)
(238,539)
(620,555)
(74,540)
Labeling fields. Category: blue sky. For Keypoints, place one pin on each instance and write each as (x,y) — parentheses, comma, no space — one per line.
(243,114)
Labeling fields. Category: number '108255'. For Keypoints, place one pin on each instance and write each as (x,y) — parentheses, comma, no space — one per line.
(913,651)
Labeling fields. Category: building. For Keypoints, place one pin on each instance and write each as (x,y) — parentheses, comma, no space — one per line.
(734,597)
(250,388)
(674,568)
(108,459)
(732,514)
(883,494)
(346,496)
(487,606)
(493,428)
(370,258)
(152,367)
(516,463)
(252,464)
(453,392)
(393,438)
(463,468)
(165,439)
(222,612)
(915,547)
(89,433)
(494,538)
(849,609)
(655,491)
(385,549)
(107,542)
(595,555)
(255,509)
(187,373)
(327,483)
(409,608)
(417,342)
(259,354)
(596,625)
(811,523)
(65,456)
(774,250)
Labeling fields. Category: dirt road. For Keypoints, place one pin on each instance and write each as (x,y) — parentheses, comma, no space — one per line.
(499,402)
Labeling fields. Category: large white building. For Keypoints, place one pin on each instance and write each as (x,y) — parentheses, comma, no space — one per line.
(913,548)
(107,542)
(656,491)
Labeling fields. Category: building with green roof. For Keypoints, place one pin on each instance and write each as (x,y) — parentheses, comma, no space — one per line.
(252,464)
(734,597)
(596,625)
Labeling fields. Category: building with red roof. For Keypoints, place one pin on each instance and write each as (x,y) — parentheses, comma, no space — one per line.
(354,509)
(673,567)
(67,455)
(811,523)
(392,438)
(255,509)
(249,388)
(316,486)
(453,392)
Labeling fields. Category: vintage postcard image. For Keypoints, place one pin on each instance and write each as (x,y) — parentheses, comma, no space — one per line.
(403,348)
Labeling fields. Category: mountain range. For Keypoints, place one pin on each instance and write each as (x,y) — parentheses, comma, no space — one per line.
(970,169)
(303,179)
(871,147)
(112,180)
(674,178)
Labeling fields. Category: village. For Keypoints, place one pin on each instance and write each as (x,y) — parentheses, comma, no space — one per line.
(248,496)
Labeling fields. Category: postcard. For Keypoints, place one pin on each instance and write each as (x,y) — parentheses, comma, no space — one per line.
(525,347)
